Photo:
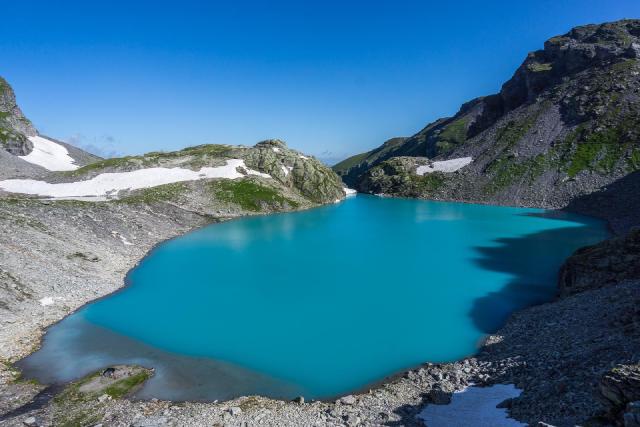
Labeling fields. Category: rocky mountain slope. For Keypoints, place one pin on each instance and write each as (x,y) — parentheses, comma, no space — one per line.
(25,153)
(567,123)
(15,128)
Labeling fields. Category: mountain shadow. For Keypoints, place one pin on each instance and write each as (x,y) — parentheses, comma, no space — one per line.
(522,257)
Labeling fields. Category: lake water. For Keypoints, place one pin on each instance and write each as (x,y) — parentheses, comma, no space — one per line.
(317,303)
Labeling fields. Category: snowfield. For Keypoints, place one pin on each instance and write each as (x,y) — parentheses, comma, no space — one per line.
(444,165)
(49,155)
(349,191)
(109,184)
(473,406)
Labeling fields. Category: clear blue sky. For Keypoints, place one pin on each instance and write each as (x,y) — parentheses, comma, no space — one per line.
(332,78)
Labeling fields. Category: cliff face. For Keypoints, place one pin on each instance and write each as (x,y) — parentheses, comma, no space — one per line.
(567,123)
(14,127)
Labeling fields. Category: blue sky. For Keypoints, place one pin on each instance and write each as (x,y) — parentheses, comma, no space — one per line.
(332,78)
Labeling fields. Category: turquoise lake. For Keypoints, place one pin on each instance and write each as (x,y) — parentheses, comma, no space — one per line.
(317,303)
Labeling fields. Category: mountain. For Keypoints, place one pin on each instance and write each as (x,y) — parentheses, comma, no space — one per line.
(268,176)
(25,153)
(566,124)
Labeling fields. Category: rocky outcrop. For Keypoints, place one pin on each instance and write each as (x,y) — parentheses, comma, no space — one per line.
(309,176)
(620,389)
(566,124)
(605,264)
(14,127)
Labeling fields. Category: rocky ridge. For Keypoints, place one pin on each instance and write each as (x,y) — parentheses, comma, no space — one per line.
(566,124)
(14,126)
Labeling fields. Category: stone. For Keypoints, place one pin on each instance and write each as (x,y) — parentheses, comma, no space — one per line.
(235,410)
(621,385)
(347,400)
(31,421)
(299,399)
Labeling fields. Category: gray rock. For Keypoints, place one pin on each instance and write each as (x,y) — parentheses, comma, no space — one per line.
(347,400)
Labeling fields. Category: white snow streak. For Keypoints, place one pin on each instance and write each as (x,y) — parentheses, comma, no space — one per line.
(445,165)
(109,184)
(46,301)
(49,155)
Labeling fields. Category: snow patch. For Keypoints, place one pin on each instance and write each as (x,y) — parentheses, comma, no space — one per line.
(109,184)
(46,301)
(276,149)
(303,157)
(286,169)
(473,406)
(50,155)
(444,165)
(349,191)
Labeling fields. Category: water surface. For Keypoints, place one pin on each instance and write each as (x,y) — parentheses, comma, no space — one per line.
(317,303)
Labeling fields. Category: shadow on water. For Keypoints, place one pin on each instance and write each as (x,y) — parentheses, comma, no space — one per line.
(533,262)
(522,258)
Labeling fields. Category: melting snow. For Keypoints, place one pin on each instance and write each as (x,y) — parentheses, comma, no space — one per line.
(46,301)
(276,149)
(349,191)
(108,184)
(286,169)
(303,157)
(473,406)
(445,165)
(49,155)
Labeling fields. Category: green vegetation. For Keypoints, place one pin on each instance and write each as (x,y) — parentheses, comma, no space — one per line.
(79,419)
(511,133)
(197,156)
(624,66)
(538,67)
(161,193)
(115,162)
(123,387)
(633,162)
(116,389)
(453,134)
(602,150)
(583,157)
(428,182)
(506,172)
(249,195)
(350,162)
(558,40)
